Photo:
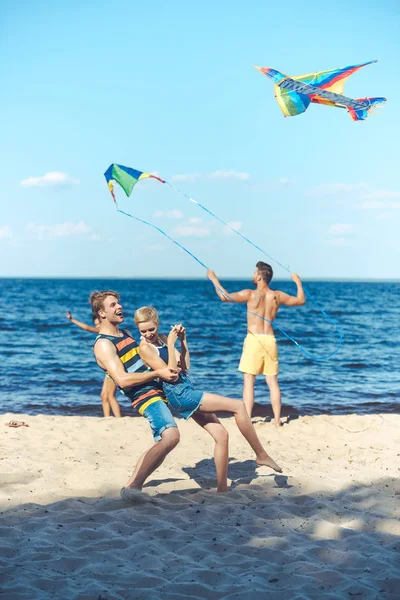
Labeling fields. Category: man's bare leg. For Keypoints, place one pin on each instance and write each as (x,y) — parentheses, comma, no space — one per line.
(153,458)
(248,392)
(214,427)
(108,399)
(214,403)
(275,395)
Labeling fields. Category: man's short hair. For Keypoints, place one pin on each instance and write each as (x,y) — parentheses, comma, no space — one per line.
(265,271)
(145,314)
(96,300)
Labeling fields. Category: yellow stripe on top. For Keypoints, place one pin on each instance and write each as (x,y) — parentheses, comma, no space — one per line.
(129,355)
(151,401)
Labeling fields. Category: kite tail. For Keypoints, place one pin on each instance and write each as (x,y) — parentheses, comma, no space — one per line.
(361,114)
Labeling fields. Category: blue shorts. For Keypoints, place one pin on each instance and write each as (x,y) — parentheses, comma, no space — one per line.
(159,417)
(182,397)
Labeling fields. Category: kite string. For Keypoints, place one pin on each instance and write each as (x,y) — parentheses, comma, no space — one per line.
(307,292)
(223,292)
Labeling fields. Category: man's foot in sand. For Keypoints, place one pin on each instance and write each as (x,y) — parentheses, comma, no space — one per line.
(267,461)
(217,491)
(134,496)
(278,423)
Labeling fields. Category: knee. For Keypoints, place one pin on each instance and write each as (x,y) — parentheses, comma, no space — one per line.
(171,437)
(104,398)
(222,437)
(241,408)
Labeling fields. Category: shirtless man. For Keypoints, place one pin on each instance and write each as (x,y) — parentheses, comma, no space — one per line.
(107,394)
(117,353)
(260,352)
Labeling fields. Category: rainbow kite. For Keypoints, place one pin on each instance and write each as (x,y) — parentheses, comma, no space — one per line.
(126,177)
(294,94)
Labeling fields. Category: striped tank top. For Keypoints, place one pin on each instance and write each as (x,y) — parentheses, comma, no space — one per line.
(141,395)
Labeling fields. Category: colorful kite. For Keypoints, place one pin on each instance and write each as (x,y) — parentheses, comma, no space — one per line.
(294,94)
(126,177)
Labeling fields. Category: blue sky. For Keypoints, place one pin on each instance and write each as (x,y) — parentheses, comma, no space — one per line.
(170,88)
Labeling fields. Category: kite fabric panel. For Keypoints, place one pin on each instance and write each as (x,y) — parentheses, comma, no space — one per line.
(294,94)
(126,177)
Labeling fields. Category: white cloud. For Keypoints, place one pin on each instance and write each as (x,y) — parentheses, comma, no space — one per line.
(94,237)
(5,232)
(189,177)
(381,195)
(67,229)
(229,175)
(380,205)
(339,241)
(338,188)
(192,231)
(195,220)
(372,198)
(284,181)
(171,214)
(235,225)
(341,229)
(52,179)
(155,248)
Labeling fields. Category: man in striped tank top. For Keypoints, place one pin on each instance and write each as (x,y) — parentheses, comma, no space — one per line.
(117,354)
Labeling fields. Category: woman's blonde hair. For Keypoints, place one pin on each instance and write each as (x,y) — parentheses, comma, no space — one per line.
(146,313)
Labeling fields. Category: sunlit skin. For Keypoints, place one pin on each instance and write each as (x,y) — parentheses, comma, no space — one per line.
(263,304)
(111,316)
(210,423)
(107,394)
(210,402)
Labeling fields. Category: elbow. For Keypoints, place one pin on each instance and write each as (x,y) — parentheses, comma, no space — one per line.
(302,302)
(121,382)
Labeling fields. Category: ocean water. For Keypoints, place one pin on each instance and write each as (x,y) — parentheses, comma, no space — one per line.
(48,365)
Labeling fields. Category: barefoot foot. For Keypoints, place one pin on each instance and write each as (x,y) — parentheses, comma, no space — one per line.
(268,462)
(134,496)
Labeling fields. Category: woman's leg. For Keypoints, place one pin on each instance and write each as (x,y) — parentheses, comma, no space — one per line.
(218,432)
(104,398)
(109,401)
(214,403)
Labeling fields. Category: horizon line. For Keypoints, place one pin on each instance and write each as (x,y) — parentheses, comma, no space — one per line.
(188,278)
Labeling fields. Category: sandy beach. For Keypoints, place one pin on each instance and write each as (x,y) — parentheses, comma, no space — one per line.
(327,527)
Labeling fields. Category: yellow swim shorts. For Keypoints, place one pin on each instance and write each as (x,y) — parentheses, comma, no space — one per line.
(260,355)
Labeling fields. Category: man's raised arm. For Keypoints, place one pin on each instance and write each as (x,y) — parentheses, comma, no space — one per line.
(297,300)
(108,359)
(223,295)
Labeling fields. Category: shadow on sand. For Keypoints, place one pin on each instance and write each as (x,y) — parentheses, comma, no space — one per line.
(261,540)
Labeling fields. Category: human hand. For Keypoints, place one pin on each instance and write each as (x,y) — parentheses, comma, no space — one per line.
(181,331)
(68,315)
(170,375)
(296,278)
(173,335)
